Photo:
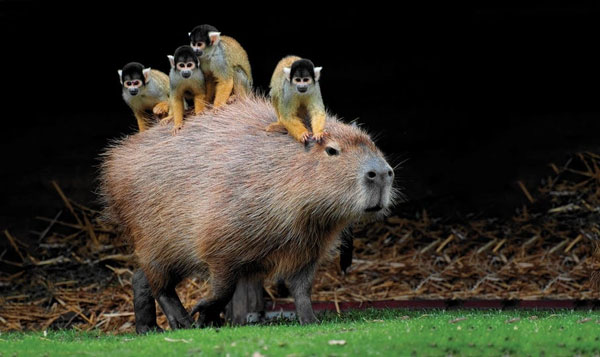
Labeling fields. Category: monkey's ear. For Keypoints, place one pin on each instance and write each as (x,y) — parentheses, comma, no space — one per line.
(120,75)
(318,73)
(171,60)
(215,37)
(146,72)
(353,124)
(287,71)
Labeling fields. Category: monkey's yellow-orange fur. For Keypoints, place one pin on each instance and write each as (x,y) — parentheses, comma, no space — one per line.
(143,104)
(233,79)
(294,110)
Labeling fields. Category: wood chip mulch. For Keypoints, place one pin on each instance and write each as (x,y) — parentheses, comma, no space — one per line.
(78,274)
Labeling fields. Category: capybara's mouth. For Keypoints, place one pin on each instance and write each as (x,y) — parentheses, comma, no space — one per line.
(374,209)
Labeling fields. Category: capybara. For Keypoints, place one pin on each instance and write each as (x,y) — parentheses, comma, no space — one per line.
(225,199)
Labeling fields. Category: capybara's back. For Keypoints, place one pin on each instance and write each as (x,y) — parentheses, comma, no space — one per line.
(225,198)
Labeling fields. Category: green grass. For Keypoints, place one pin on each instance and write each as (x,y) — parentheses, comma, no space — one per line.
(385,333)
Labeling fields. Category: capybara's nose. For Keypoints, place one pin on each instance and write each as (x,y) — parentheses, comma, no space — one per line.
(378,172)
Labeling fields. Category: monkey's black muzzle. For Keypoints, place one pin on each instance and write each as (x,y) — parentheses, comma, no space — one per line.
(302,89)
(133,91)
(186,74)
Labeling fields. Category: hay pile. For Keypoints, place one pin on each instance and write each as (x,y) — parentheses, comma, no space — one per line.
(79,273)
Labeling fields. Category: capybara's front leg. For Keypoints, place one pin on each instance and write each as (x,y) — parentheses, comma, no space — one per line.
(300,285)
(171,305)
(143,304)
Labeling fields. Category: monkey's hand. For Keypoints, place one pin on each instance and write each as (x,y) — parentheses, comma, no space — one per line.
(320,136)
(176,129)
(166,120)
(305,137)
(161,108)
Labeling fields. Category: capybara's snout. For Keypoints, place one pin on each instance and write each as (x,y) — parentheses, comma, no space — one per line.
(378,177)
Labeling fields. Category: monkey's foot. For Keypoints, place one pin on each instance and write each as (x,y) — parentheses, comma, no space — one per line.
(232,99)
(161,108)
(166,120)
(276,127)
(176,129)
(320,136)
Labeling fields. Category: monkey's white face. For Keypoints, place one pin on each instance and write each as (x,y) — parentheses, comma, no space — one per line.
(185,68)
(133,86)
(302,84)
(198,47)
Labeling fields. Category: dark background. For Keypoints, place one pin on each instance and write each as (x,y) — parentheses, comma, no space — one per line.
(474,98)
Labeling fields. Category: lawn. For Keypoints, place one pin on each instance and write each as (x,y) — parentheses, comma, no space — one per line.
(371,332)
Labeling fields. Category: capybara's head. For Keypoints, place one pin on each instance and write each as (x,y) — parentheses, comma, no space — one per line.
(353,172)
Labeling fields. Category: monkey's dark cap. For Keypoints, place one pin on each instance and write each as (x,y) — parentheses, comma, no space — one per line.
(200,33)
(133,70)
(185,54)
(303,68)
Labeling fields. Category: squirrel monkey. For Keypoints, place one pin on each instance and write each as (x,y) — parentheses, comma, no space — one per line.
(187,81)
(144,90)
(296,96)
(224,63)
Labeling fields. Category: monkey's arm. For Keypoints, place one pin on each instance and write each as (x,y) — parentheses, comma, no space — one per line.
(161,108)
(199,103)
(141,120)
(175,113)
(295,128)
(210,89)
(223,91)
(317,121)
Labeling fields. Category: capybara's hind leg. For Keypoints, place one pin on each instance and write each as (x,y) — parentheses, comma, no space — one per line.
(300,285)
(247,299)
(209,310)
(171,305)
(143,304)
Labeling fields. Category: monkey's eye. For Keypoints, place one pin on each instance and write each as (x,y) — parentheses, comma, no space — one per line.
(331,151)
(128,83)
(305,79)
(189,65)
(181,65)
(136,83)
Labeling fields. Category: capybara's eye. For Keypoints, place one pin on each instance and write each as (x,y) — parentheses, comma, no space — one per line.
(331,151)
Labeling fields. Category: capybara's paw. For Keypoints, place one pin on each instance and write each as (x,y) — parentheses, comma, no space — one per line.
(209,319)
(276,127)
(320,136)
(166,120)
(148,328)
(176,129)
(161,109)
(308,319)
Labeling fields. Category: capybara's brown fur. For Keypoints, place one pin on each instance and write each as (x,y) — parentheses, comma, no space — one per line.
(225,198)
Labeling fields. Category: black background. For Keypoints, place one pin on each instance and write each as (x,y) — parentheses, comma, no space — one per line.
(474,98)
